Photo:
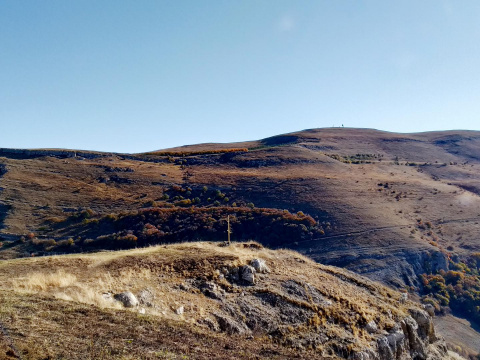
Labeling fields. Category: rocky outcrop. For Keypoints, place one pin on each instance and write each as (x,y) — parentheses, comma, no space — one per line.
(300,306)
(413,338)
(401,268)
(229,325)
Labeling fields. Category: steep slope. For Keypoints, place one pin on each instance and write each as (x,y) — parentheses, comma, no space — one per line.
(203,301)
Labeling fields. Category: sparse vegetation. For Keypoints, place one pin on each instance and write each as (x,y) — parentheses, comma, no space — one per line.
(357,158)
(165,225)
(193,153)
(365,210)
(322,317)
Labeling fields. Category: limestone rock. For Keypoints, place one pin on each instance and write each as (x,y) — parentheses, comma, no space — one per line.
(371,327)
(425,324)
(127,299)
(416,345)
(248,274)
(180,310)
(260,266)
(367,354)
(413,338)
(384,351)
(211,324)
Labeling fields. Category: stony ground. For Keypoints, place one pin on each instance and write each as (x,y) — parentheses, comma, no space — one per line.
(199,301)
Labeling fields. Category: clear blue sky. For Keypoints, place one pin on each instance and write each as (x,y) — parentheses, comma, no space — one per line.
(133,76)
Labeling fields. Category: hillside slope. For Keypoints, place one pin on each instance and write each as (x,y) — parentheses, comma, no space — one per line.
(371,192)
(195,301)
(389,206)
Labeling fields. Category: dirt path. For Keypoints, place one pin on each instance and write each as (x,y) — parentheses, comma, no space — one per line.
(383,228)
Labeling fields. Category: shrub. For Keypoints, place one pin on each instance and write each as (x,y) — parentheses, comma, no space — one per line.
(458,288)
(55,219)
(47,244)
(184,202)
(150,203)
(163,225)
(66,243)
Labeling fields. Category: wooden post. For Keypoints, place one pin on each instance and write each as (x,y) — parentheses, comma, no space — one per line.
(229,231)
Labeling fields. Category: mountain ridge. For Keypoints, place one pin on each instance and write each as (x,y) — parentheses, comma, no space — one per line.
(391,206)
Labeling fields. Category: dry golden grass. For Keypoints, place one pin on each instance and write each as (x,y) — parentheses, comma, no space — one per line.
(41,282)
(85,278)
(82,279)
(370,233)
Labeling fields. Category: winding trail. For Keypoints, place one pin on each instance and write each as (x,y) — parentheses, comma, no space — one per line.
(383,228)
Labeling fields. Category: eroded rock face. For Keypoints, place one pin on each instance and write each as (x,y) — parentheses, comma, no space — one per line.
(413,338)
(127,299)
(425,324)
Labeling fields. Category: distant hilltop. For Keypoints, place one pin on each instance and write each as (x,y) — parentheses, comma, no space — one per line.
(26,153)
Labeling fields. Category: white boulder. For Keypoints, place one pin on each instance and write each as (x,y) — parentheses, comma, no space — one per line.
(127,299)
(260,266)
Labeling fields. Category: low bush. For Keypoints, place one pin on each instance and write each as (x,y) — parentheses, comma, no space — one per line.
(192,153)
(273,227)
(458,288)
